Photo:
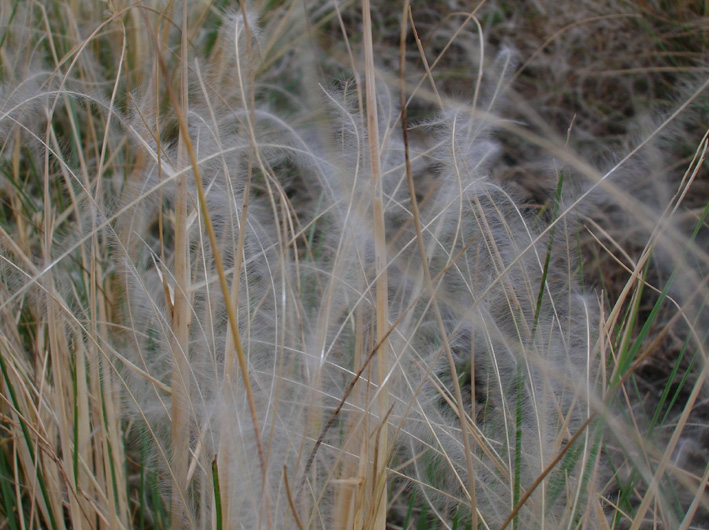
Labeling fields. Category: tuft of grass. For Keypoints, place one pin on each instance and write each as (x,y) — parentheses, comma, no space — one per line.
(278,264)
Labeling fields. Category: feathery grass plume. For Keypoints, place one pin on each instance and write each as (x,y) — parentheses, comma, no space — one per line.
(235,294)
(523,342)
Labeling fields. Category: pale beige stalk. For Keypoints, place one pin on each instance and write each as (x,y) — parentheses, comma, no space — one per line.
(181,316)
(378,477)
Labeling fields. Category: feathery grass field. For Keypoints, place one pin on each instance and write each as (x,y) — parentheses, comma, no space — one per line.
(327,264)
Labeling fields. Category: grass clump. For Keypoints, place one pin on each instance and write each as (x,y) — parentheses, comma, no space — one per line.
(336,265)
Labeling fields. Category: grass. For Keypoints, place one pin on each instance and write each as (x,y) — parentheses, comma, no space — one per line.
(339,265)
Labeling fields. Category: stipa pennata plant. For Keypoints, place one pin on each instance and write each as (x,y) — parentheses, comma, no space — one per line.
(241,294)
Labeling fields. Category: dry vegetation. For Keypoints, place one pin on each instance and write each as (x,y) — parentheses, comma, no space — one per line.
(329,265)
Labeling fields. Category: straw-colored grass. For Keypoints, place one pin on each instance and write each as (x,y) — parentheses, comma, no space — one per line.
(355,265)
